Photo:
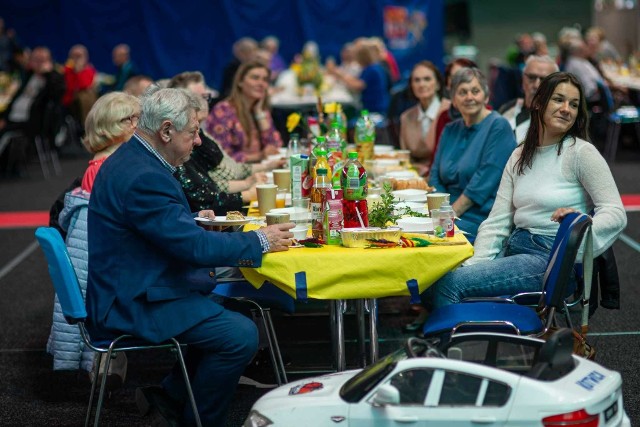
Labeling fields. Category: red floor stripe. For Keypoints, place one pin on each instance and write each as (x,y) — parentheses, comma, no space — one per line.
(23,219)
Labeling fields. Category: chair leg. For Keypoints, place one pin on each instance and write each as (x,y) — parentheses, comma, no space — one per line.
(187,382)
(42,157)
(103,385)
(93,389)
(276,348)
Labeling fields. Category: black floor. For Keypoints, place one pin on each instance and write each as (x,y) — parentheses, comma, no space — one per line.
(31,394)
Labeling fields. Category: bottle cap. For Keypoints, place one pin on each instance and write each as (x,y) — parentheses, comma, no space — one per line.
(335,125)
(364,113)
(321,172)
(353,154)
(320,139)
(322,152)
(294,135)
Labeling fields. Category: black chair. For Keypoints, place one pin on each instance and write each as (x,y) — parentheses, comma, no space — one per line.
(69,294)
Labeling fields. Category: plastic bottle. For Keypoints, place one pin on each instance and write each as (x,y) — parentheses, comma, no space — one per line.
(319,144)
(294,147)
(354,192)
(333,216)
(318,202)
(335,142)
(322,163)
(446,219)
(365,136)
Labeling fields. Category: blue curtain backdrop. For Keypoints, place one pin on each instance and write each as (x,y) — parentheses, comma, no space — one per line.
(168,36)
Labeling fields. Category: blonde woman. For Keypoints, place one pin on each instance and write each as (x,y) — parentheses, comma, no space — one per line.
(110,122)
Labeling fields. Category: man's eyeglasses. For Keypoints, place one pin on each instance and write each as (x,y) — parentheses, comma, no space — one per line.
(133,119)
(533,77)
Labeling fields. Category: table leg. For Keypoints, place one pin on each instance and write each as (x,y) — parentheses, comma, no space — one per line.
(361,321)
(373,328)
(337,334)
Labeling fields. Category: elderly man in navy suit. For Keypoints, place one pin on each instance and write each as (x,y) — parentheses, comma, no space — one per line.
(147,255)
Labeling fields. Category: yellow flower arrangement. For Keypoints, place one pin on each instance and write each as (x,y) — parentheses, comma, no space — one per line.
(293,120)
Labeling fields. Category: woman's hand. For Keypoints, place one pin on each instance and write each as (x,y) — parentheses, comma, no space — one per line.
(259,178)
(275,164)
(270,150)
(560,213)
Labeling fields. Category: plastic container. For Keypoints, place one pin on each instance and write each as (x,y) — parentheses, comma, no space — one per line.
(446,218)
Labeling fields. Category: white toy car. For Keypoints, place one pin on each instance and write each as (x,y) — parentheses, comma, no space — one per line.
(487,379)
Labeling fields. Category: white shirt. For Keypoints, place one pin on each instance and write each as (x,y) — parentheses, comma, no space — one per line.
(578,178)
(428,116)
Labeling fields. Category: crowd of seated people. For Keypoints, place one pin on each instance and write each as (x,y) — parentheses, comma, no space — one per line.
(207,157)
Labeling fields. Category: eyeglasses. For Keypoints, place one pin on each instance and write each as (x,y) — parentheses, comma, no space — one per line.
(533,77)
(133,119)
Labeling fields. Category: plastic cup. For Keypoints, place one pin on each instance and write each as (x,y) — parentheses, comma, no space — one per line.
(281,198)
(266,197)
(301,203)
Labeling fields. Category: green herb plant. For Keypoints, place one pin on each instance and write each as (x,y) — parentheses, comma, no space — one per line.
(384,212)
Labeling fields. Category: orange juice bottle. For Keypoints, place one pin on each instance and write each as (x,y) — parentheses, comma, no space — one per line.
(322,163)
(318,202)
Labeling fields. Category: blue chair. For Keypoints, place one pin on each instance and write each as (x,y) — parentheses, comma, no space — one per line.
(66,286)
(265,298)
(505,314)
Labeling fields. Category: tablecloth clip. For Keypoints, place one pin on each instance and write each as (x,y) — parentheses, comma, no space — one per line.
(301,286)
(414,291)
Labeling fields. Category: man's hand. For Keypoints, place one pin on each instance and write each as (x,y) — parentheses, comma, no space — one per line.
(279,236)
(560,213)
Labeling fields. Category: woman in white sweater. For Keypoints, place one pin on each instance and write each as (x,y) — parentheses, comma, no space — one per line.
(554,172)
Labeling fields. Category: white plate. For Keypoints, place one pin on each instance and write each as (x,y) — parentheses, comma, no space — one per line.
(401,175)
(222,220)
(410,195)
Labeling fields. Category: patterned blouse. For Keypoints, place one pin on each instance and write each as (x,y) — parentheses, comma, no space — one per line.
(223,124)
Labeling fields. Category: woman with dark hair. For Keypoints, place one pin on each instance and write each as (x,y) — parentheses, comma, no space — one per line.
(554,172)
(473,152)
(242,123)
(417,124)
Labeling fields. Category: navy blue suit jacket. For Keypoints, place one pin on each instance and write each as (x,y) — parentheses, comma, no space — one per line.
(146,253)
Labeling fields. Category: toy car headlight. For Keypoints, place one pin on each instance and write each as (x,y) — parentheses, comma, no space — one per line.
(256,419)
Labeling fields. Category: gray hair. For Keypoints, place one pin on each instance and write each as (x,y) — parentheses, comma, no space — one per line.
(465,75)
(160,104)
(542,58)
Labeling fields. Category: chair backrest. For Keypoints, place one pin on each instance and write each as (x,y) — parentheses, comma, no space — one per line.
(564,251)
(62,274)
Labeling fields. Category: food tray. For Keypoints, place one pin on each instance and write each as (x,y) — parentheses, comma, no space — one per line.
(358,237)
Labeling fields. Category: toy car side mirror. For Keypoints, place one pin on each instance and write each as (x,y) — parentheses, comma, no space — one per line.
(386,395)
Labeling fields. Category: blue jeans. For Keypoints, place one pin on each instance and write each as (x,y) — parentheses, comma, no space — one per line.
(520,268)
(218,351)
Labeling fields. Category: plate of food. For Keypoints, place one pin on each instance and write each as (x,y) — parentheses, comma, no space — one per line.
(231,218)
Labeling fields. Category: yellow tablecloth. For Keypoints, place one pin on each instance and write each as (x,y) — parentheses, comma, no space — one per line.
(336,272)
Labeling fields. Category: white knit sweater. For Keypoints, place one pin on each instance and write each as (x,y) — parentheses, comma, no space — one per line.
(578,178)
